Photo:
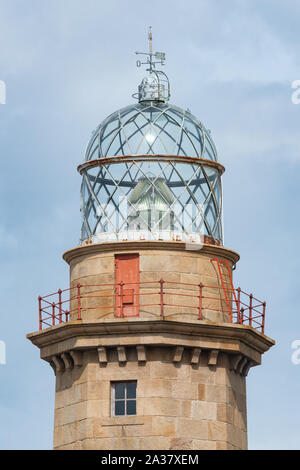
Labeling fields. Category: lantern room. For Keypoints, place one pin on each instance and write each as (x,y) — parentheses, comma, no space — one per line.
(151,172)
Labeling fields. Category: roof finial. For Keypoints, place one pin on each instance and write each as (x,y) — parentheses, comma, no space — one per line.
(157,85)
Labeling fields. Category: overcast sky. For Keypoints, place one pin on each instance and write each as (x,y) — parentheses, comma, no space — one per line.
(67,64)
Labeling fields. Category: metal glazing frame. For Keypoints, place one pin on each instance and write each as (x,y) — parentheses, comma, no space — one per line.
(151,128)
(202,181)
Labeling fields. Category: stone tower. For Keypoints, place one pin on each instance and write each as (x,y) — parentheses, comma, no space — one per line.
(151,343)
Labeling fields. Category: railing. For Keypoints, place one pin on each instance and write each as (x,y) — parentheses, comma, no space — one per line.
(167,299)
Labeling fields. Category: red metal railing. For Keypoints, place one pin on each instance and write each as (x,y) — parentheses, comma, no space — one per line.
(200,300)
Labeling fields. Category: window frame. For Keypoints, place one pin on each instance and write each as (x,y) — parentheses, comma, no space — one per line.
(113,399)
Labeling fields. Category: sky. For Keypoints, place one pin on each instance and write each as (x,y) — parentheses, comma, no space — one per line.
(67,64)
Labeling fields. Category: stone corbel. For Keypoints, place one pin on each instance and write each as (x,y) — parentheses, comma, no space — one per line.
(121,354)
(241,365)
(58,364)
(178,354)
(77,358)
(67,361)
(141,353)
(235,361)
(247,367)
(213,357)
(195,356)
(102,355)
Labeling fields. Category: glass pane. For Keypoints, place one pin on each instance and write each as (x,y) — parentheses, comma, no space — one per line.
(131,390)
(119,391)
(131,407)
(150,196)
(119,408)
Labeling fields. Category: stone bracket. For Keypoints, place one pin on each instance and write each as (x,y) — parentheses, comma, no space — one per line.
(234,361)
(77,358)
(58,364)
(247,368)
(121,354)
(178,354)
(141,353)
(68,362)
(213,357)
(102,355)
(241,365)
(195,356)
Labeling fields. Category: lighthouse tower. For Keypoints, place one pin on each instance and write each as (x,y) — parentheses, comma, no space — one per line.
(151,342)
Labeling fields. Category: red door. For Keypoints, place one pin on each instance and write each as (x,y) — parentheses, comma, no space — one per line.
(127,285)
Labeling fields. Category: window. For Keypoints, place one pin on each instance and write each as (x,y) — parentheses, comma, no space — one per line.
(123,398)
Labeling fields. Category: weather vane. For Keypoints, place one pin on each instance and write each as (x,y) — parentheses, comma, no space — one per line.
(153,58)
(156,86)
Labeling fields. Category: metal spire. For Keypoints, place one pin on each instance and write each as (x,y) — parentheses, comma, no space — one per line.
(150,39)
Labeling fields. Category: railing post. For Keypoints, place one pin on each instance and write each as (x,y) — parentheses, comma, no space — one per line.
(239,305)
(40,313)
(67,313)
(263,318)
(200,300)
(121,299)
(250,309)
(161,297)
(242,315)
(79,302)
(53,313)
(59,305)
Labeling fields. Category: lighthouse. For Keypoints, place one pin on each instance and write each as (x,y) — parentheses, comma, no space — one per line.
(151,342)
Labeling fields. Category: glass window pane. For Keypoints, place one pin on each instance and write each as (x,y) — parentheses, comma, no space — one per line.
(119,391)
(131,407)
(131,390)
(119,408)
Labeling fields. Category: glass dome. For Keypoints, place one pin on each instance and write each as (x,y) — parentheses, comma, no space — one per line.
(151,173)
(151,128)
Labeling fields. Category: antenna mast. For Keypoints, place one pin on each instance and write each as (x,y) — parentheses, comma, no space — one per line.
(150,39)
(160,56)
